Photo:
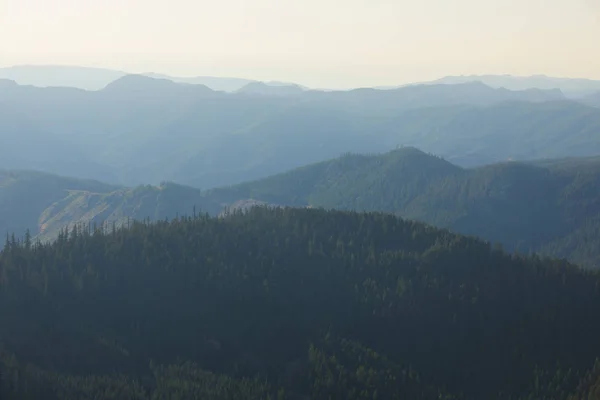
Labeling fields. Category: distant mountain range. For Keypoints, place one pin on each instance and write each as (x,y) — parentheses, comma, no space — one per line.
(144,130)
(271,90)
(215,83)
(592,100)
(86,78)
(572,88)
(97,78)
(550,206)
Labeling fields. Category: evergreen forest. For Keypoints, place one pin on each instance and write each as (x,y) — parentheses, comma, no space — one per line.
(291,303)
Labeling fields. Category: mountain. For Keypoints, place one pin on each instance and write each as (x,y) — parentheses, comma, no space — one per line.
(224,84)
(592,100)
(140,130)
(280,83)
(426,96)
(61,76)
(140,86)
(549,206)
(553,209)
(265,89)
(26,144)
(89,78)
(291,304)
(471,136)
(571,87)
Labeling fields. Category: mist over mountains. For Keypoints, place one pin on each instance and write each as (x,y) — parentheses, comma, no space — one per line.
(89,78)
(140,130)
(572,88)
(592,100)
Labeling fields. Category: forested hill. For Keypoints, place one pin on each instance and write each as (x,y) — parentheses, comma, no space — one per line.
(292,304)
(552,207)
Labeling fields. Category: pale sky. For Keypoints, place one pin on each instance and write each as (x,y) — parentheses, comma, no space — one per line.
(319,43)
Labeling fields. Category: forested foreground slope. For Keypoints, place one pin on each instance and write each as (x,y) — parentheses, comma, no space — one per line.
(292,304)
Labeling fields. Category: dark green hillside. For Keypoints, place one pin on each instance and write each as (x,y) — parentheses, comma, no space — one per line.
(550,207)
(351,180)
(290,304)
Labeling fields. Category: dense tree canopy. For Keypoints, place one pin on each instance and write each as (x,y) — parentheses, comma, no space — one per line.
(550,206)
(291,304)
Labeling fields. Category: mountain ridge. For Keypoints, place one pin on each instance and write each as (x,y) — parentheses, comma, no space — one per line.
(265,89)
(140,130)
(540,206)
(94,79)
(572,87)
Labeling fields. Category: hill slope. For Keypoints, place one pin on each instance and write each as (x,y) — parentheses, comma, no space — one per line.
(524,207)
(291,304)
(25,195)
(44,204)
(550,206)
